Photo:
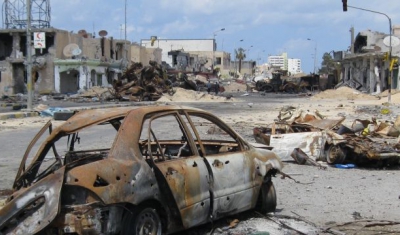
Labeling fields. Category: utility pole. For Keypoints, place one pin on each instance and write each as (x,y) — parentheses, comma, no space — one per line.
(315,54)
(125,56)
(29,55)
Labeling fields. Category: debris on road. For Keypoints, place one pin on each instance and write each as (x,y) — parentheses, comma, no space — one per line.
(322,139)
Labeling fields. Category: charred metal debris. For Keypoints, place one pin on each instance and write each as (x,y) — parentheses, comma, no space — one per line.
(310,137)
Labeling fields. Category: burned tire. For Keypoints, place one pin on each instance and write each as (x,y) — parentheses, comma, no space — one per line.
(335,154)
(267,198)
(143,221)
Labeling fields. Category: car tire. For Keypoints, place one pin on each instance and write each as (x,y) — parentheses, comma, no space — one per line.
(142,221)
(268,197)
(335,154)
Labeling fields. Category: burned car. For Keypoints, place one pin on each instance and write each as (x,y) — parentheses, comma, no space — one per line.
(148,170)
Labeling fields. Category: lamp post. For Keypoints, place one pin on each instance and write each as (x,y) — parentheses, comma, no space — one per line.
(214,47)
(345,6)
(315,54)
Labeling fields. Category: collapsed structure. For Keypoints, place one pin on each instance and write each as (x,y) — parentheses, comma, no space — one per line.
(367,66)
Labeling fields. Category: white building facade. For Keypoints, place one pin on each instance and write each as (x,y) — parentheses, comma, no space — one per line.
(294,66)
(279,61)
(186,45)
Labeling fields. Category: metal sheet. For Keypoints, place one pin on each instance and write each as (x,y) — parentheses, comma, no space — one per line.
(312,143)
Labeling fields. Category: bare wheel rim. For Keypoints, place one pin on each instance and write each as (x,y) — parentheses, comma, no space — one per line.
(335,154)
(148,222)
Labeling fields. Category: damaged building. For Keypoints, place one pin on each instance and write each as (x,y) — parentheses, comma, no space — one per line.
(367,66)
(68,63)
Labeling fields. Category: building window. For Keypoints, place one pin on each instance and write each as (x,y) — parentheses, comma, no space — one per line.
(218,61)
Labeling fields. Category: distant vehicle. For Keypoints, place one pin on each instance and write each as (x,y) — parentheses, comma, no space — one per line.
(157,170)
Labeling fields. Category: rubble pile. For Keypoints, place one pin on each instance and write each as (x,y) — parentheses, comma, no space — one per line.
(140,82)
(183,95)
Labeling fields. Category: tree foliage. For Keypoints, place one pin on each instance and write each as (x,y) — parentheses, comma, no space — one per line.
(328,65)
(240,55)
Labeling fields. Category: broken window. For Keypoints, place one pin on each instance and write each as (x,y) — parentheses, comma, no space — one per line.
(6,46)
(213,136)
(218,61)
(159,144)
(76,148)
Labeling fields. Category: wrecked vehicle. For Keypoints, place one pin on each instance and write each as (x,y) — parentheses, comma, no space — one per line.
(148,170)
(323,139)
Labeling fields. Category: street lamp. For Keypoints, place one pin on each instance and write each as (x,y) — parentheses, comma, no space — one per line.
(315,54)
(345,6)
(214,47)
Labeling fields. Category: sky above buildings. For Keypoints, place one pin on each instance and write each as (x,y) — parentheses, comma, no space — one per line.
(267,27)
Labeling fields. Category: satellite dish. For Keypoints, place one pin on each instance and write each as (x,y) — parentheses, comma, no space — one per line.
(395,41)
(68,49)
(76,51)
(103,33)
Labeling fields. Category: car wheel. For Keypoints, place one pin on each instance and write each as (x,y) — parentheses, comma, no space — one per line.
(335,154)
(145,221)
(268,197)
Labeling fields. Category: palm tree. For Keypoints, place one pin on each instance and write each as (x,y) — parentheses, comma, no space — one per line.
(240,55)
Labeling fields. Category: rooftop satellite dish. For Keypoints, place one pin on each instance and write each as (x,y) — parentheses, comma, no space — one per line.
(76,51)
(68,49)
(103,33)
(395,41)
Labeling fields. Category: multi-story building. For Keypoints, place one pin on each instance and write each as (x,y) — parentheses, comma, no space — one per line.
(294,66)
(279,61)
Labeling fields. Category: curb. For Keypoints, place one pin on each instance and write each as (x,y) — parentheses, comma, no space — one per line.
(18,115)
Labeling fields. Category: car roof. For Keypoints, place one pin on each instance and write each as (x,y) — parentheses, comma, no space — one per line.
(90,117)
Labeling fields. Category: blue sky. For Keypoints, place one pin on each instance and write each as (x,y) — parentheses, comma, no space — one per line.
(270,26)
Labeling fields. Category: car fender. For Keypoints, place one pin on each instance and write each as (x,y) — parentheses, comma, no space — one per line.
(31,209)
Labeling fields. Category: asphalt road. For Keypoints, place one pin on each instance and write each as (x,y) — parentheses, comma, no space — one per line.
(323,197)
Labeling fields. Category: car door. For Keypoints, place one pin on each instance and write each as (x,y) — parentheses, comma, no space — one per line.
(180,167)
(231,168)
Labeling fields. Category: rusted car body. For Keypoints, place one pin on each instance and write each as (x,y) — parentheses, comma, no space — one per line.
(149,170)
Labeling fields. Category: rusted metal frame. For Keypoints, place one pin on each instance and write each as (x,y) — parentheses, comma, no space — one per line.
(182,125)
(186,130)
(21,169)
(58,157)
(223,126)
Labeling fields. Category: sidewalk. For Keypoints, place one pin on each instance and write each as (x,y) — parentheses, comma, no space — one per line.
(26,113)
